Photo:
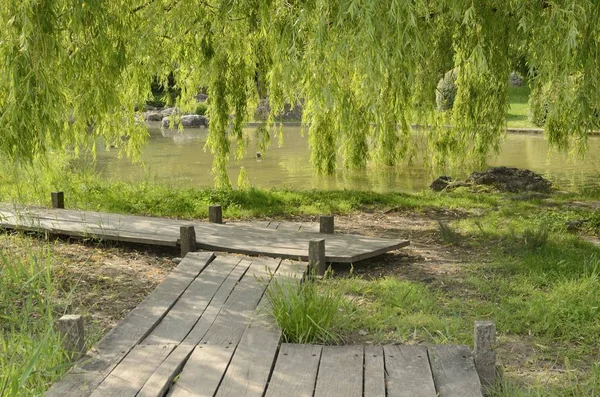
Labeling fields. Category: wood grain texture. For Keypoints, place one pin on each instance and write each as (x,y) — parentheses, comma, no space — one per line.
(295,371)
(191,305)
(454,371)
(340,372)
(163,376)
(130,375)
(203,371)
(407,372)
(374,384)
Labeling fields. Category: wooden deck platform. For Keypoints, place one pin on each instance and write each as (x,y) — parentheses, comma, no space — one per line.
(284,241)
(205,332)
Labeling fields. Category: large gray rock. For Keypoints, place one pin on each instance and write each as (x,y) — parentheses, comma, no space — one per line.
(186,121)
(153,116)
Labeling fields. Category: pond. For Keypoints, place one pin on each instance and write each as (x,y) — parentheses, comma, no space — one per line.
(178,159)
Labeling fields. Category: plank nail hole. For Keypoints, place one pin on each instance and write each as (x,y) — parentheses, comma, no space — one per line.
(285,354)
(391,356)
(314,355)
(464,356)
(374,355)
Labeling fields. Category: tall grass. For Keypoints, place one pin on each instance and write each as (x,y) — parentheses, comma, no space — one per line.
(306,314)
(31,356)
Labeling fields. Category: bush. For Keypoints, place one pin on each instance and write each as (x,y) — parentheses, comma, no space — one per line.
(201,109)
(445,92)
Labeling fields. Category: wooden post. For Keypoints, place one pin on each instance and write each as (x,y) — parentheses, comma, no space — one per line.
(215,214)
(316,257)
(326,224)
(58,199)
(70,328)
(483,353)
(187,239)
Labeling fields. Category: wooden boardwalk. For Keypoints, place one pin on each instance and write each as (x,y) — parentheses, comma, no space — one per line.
(205,332)
(284,241)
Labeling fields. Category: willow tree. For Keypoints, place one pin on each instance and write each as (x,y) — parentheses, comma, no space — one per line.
(73,72)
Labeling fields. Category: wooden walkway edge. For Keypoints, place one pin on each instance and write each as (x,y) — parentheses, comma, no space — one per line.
(281,242)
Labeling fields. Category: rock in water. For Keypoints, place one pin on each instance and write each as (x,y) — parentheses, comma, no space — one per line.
(440,183)
(512,180)
(186,121)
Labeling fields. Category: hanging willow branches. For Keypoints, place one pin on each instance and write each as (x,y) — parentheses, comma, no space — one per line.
(73,71)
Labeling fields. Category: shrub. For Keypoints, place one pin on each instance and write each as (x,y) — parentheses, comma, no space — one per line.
(445,92)
(201,109)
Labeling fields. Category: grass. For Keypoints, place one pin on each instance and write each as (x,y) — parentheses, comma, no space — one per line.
(31,356)
(518,111)
(306,314)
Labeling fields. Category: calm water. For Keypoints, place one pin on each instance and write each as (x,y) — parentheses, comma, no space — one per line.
(179,159)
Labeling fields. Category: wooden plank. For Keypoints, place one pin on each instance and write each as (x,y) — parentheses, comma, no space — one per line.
(224,335)
(289,226)
(374,384)
(312,227)
(203,371)
(91,370)
(295,371)
(161,379)
(237,311)
(273,225)
(250,367)
(191,305)
(407,372)
(454,371)
(237,239)
(340,372)
(130,375)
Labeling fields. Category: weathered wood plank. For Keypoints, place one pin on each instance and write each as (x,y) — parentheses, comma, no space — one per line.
(340,372)
(289,226)
(454,371)
(251,364)
(225,333)
(203,371)
(295,371)
(130,375)
(191,305)
(91,370)
(162,378)
(407,372)
(374,384)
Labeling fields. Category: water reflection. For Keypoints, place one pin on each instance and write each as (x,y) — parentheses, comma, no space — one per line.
(179,159)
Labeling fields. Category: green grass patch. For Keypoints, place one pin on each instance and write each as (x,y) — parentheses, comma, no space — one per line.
(306,313)
(31,356)
(518,110)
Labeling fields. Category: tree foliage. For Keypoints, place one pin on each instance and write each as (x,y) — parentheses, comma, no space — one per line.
(73,71)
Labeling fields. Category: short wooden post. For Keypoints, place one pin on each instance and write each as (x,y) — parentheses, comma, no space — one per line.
(215,214)
(483,353)
(71,330)
(58,199)
(187,239)
(326,224)
(316,257)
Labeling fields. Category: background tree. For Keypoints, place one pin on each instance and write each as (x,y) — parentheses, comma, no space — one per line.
(365,70)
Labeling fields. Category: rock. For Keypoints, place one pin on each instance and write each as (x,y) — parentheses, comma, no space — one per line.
(169,111)
(289,113)
(575,225)
(153,116)
(177,260)
(440,183)
(515,79)
(512,180)
(201,97)
(186,121)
